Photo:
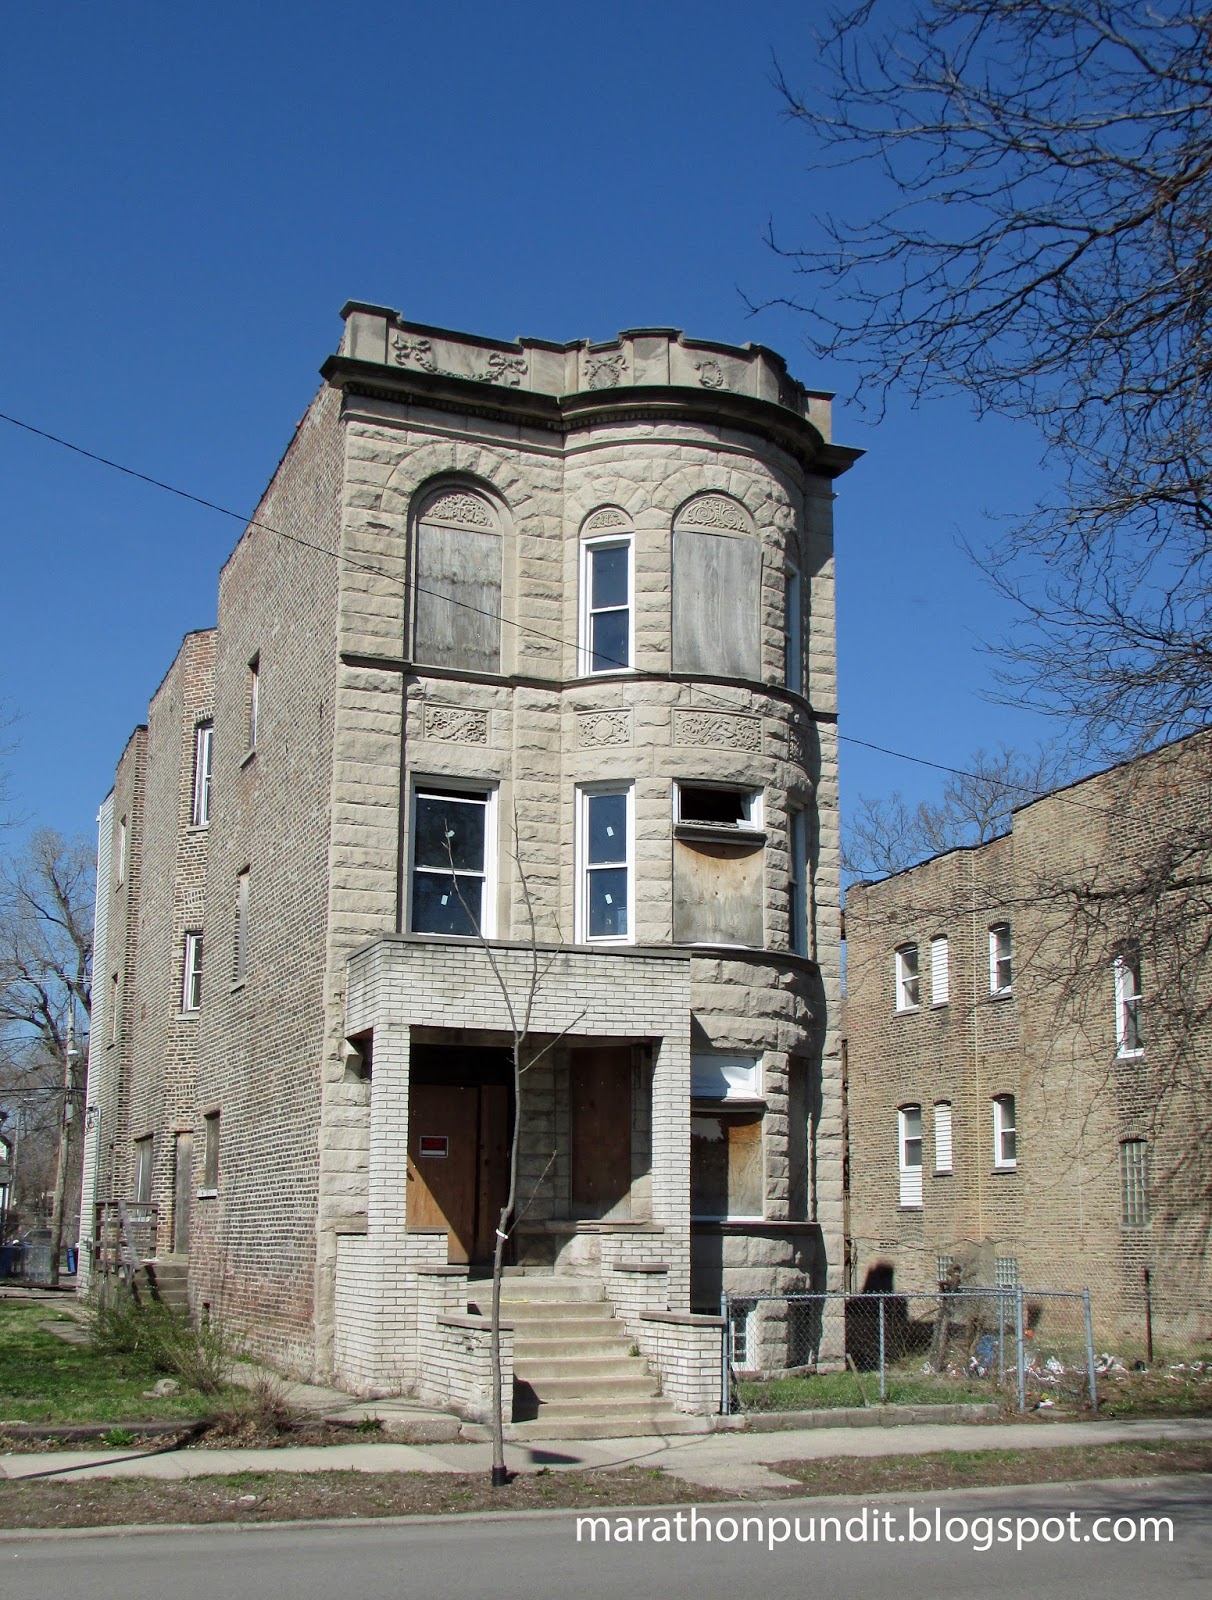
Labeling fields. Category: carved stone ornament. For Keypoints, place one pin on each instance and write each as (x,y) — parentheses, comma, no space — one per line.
(798,749)
(723,730)
(607,517)
(604,727)
(456,724)
(605,372)
(711,374)
(505,370)
(467,509)
(714,511)
(417,351)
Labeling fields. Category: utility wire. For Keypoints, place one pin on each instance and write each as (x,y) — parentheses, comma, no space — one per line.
(534,633)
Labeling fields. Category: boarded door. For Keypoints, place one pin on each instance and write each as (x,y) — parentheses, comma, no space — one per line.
(601,1133)
(458,1164)
(183,1186)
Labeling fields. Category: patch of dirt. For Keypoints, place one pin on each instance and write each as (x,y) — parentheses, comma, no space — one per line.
(970,1469)
(287,1496)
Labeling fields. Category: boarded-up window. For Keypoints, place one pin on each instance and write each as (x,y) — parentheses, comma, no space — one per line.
(141,1189)
(726,1164)
(457,584)
(942,1136)
(717,892)
(717,568)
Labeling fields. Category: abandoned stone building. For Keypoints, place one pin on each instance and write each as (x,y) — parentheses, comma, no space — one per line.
(519,708)
(1029,1056)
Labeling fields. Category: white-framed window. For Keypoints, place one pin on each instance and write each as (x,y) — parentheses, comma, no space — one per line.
(908,984)
(1005,1272)
(1005,1132)
(1127,1005)
(605,875)
(942,1136)
(1134,1182)
(1001,959)
(607,604)
(797,888)
(909,1155)
(940,971)
(191,969)
(718,805)
(121,853)
(717,1075)
(793,631)
(239,966)
(204,740)
(742,1334)
(453,851)
(253,700)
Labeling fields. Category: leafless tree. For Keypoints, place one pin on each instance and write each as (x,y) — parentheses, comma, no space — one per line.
(46,915)
(886,835)
(1036,184)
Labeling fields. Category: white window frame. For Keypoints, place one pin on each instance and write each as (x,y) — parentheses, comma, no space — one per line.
(487,791)
(191,972)
(750,820)
(240,949)
(618,541)
(1127,1005)
(905,978)
(910,1172)
(940,970)
(742,1328)
(204,746)
(999,957)
(721,1077)
(797,888)
(586,793)
(793,631)
(1005,1124)
(123,835)
(944,1138)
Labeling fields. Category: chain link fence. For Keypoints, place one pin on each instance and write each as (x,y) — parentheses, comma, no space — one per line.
(1023,1348)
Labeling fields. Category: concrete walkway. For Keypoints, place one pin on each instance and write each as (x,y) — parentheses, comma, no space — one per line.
(726,1461)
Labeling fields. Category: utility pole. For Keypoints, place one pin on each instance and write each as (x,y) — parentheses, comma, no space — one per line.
(65,1129)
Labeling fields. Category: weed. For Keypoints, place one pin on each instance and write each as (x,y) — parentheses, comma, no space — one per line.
(117,1438)
(369,1425)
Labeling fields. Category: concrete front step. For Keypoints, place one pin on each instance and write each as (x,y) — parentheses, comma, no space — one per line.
(587,1348)
(563,1290)
(596,1426)
(558,1322)
(617,1367)
(593,1391)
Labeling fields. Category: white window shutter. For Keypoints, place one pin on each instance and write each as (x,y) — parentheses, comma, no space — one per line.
(911,1186)
(942,1137)
(940,972)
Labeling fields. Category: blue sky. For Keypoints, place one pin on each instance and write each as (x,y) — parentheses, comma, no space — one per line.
(188,198)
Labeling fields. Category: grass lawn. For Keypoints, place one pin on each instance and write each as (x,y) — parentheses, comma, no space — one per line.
(821,1391)
(45,1380)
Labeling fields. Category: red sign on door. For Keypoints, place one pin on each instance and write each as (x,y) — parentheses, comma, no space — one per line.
(434,1145)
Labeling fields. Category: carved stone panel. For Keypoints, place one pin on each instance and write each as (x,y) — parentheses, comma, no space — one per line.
(456,724)
(724,730)
(603,727)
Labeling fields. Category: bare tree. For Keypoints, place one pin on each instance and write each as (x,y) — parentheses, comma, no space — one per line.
(46,913)
(886,835)
(1041,177)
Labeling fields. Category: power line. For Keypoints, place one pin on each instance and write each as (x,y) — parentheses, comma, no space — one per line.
(497,616)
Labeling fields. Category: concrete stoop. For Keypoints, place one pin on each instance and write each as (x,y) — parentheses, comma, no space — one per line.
(575,1376)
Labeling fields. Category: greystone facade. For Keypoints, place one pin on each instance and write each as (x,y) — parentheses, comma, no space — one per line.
(522,691)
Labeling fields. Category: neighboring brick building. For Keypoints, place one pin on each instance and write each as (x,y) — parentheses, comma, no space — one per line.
(1028,1060)
(518,630)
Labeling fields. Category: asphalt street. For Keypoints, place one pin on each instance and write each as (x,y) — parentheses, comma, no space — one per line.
(528,1557)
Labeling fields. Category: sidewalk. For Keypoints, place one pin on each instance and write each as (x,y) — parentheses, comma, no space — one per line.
(726,1461)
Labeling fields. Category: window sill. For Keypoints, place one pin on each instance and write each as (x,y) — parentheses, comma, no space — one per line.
(249,755)
(1005,1169)
(1001,994)
(238,985)
(943,1172)
(208,1194)
(912,1211)
(187,1016)
(1129,1055)
(939,1005)
(906,1011)
(706,833)
(198,827)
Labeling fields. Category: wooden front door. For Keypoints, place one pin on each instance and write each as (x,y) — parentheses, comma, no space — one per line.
(601,1133)
(458,1164)
(183,1188)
